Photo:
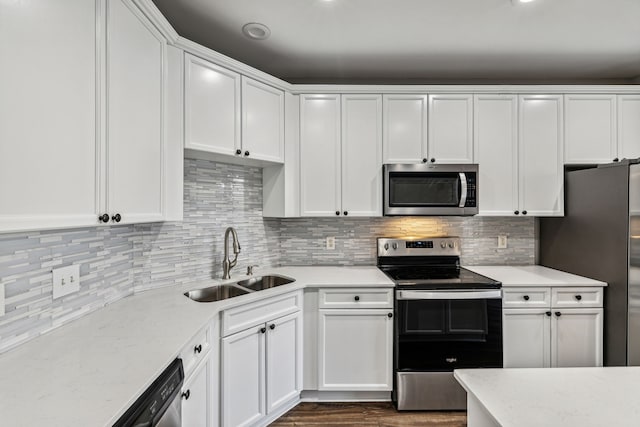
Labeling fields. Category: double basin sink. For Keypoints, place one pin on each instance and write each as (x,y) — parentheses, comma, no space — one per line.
(241,287)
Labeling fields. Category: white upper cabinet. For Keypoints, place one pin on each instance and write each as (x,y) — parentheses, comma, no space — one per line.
(405,128)
(590,129)
(262,121)
(496,151)
(135,116)
(340,155)
(48,141)
(540,155)
(229,114)
(362,155)
(320,154)
(97,154)
(450,128)
(628,126)
(212,107)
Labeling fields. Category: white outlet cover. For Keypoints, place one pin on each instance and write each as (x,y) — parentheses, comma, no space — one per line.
(502,242)
(331,242)
(66,280)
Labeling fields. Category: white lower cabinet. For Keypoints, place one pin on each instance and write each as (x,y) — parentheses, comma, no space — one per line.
(576,337)
(526,336)
(243,377)
(261,370)
(355,349)
(197,396)
(552,336)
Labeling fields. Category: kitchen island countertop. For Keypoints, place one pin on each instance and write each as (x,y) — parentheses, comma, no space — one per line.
(552,397)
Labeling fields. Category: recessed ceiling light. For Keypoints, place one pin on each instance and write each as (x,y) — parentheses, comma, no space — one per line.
(517,2)
(256,31)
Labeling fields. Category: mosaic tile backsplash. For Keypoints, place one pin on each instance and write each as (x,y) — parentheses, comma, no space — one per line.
(117,261)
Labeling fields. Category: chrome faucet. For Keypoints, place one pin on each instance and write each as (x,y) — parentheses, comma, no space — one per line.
(227,264)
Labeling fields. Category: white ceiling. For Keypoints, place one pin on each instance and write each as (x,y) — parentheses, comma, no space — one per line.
(426,41)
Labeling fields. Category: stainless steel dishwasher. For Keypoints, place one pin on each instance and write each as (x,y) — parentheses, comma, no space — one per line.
(160,405)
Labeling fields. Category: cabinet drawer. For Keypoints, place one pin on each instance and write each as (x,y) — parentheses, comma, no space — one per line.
(240,318)
(355,298)
(195,351)
(576,297)
(526,297)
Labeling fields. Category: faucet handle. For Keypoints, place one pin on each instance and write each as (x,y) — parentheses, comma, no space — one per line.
(250,269)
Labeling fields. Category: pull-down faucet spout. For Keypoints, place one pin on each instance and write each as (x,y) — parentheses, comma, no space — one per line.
(227,264)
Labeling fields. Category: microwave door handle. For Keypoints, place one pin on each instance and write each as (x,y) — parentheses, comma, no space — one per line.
(463,190)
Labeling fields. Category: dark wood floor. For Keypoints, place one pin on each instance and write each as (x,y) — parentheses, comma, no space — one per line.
(381,414)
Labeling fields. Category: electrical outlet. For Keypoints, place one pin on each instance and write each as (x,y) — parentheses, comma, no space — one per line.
(66,280)
(331,243)
(502,242)
(2,299)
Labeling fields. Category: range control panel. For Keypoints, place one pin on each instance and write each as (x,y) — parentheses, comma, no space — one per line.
(423,246)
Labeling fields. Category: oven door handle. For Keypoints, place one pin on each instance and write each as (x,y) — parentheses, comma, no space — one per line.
(425,295)
(463,190)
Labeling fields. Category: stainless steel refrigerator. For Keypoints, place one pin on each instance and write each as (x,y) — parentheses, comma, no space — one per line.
(599,237)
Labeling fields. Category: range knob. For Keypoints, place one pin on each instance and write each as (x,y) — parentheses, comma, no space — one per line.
(395,246)
(386,246)
(443,245)
(451,245)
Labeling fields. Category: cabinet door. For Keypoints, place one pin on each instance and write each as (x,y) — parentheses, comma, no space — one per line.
(496,151)
(262,121)
(284,360)
(450,128)
(590,129)
(628,126)
(540,155)
(196,397)
(362,155)
(355,350)
(576,337)
(48,144)
(320,155)
(212,107)
(243,377)
(526,338)
(405,128)
(136,54)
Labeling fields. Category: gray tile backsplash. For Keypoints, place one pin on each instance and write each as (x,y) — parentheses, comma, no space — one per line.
(302,240)
(117,261)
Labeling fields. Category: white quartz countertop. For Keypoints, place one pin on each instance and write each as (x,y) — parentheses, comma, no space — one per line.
(533,275)
(562,397)
(87,373)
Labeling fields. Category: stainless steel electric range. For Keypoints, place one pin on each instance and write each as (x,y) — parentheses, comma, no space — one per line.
(447,317)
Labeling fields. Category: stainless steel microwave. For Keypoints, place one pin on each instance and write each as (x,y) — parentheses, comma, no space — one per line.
(430,189)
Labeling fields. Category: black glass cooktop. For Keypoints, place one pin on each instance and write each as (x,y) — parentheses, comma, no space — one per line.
(437,277)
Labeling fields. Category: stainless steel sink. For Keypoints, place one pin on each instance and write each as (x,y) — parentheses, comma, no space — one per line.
(216,293)
(265,282)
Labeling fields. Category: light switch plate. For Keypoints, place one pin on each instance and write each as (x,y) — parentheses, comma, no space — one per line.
(502,242)
(2,299)
(66,280)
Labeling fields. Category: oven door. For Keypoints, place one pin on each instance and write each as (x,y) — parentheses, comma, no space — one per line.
(430,189)
(446,330)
